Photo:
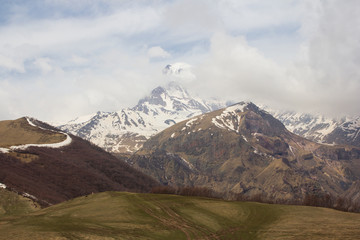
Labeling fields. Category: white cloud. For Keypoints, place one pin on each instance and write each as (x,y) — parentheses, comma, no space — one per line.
(238,71)
(158,52)
(324,79)
(70,59)
(44,65)
(78,60)
(11,64)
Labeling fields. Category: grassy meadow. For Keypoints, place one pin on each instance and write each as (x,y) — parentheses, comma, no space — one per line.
(118,215)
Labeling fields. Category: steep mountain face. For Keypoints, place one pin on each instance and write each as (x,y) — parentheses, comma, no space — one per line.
(243,149)
(320,128)
(48,166)
(126,130)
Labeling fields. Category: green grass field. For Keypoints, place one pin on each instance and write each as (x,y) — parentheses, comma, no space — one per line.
(115,215)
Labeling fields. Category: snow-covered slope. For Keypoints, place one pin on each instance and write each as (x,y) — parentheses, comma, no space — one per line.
(126,130)
(319,128)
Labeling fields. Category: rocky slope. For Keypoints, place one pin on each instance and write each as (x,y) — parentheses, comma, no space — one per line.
(48,166)
(243,149)
(127,129)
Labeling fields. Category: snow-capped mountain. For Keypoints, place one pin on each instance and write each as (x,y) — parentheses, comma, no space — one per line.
(126,130)
(319,128)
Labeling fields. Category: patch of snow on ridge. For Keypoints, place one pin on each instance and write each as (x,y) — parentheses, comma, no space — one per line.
(2,185)
(4,150)
(31,123)
(190,122)
(187,163)
(27,195)
(64,143)
(236,107)
(226,119)
(351,128)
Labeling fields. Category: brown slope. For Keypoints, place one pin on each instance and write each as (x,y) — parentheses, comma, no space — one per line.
(53,175)
(245,150)
(18,132)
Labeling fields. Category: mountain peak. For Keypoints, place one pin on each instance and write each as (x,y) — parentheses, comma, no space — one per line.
(157,91)
(179,70)
(126,129)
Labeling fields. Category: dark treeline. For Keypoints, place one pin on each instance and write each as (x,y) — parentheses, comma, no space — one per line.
(59,174)
(315,200)
(330,201)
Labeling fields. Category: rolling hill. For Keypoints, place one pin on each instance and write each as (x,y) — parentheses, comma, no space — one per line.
(48,166)
(115,215)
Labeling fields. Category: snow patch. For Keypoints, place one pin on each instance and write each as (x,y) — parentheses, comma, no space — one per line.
(2,185)
(260,153)
(187,163)
(4,150)
(229,118)
(173,135)
(64,143)
(29,196)
(190,122)
(291,150)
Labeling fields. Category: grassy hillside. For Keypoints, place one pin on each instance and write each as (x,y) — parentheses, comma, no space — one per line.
(20,132)
(14,204)
(115,215)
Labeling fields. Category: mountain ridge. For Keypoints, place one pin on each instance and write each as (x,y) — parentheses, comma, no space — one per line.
(243,149)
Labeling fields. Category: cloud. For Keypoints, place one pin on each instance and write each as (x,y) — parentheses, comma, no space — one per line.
(11,64)
(331,56)
(43,64)
(60,59)
(324,78)
(235,70)
(158,52)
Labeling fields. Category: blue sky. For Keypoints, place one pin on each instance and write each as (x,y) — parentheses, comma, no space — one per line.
(60,59)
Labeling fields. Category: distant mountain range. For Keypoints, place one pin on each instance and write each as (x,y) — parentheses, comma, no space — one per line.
(243,149)
(125,131)
(319,128)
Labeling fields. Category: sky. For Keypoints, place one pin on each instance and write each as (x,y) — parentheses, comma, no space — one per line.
(60,59)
